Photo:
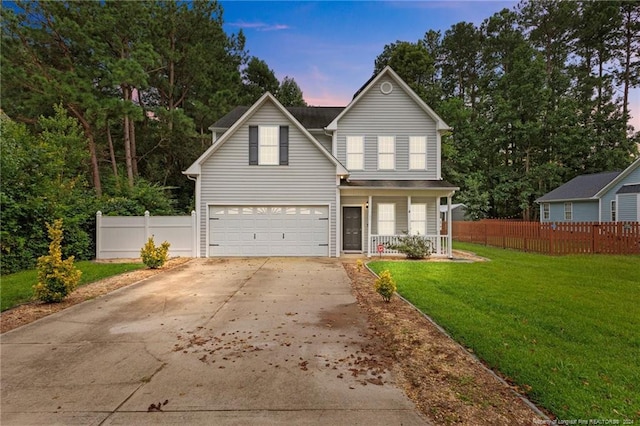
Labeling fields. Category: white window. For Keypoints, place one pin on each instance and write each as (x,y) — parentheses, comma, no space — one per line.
(355,153)
(568,211)
(417,153)
(268,145)
(546,212)
(418,217)
(613,210)
(386,219)
(386,152)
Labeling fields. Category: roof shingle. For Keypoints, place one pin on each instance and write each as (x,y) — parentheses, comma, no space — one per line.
(309,117)
(580,187)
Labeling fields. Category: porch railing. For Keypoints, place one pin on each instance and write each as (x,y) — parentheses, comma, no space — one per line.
(439,245)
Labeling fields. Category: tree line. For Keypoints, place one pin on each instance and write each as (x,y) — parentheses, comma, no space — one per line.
(104,104)
(536,96)
(142,81)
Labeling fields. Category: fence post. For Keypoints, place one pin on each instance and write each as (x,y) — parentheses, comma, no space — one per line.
(194,234)
(146,226)
(594,228)
(98,233)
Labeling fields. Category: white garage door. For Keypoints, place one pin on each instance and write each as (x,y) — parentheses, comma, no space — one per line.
(268,231)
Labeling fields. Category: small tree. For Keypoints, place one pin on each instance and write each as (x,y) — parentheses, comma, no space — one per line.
(56,277)
(152,256)
(385,285)
(413,246)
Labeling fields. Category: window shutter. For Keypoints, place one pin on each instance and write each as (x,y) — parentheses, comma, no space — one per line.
(284,145)
(253,145)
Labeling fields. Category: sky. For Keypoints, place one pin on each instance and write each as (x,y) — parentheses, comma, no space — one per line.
(329,47)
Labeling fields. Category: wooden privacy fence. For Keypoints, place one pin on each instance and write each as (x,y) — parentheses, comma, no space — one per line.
(552,238)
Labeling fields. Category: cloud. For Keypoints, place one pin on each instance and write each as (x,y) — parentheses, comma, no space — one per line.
(259,26)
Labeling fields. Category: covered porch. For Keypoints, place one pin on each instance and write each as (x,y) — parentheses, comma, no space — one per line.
(373,216)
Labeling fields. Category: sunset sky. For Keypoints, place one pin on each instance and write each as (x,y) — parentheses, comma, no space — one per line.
(329,47)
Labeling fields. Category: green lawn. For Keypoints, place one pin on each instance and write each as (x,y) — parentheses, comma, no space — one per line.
(565,329)
(18,288)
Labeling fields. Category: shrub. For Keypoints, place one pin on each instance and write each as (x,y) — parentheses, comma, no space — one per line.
(56,277)
(385,285)
(359,264)
(413,246)
(152,256)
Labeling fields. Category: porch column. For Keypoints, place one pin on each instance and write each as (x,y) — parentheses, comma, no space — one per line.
(409,214)
(438,227)
(449,227)
(370,204)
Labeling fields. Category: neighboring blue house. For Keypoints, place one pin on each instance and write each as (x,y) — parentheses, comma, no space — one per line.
(599,197)
(322,181)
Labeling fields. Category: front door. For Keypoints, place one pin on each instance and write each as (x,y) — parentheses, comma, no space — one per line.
(352,228)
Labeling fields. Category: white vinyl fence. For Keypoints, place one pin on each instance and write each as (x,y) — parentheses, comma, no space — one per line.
(124,236)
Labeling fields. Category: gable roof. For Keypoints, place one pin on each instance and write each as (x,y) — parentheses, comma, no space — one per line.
(388,71)
(581,187)
(310,117)
(618,178)
(588,187)
(194,169)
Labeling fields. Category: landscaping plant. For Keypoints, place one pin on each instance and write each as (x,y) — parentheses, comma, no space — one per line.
(385,285)
(56,277)
(152,256)
(413,246)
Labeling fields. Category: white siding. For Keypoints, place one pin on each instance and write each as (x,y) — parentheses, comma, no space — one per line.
(395,114)
(227,178)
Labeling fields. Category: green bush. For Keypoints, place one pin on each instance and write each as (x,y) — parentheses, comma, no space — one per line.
(385,285)
(413,246)
(152,256)
(56,277)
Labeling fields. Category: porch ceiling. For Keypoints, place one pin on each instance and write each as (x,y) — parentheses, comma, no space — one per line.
(398,184)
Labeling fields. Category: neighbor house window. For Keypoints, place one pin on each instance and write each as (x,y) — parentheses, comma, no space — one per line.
(546,212)
(355,153)
(568,211)
(386,219)
(386,152)
(613,210)
(418,217)
(268,138)
(417,153)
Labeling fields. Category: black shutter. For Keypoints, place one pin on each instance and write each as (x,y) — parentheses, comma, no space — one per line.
(253,145)
(284,145)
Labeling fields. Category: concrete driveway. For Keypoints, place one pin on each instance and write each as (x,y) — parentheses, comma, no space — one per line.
(224,341)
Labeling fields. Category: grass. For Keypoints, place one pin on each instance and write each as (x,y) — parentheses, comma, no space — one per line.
(17,288)
(565,329)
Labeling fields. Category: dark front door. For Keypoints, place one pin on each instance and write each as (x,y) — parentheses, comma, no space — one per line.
(352,228)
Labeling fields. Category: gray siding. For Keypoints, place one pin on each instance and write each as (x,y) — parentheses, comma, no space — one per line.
(227,178)
(633,177)
(628,208)
(324,140)
(395,114)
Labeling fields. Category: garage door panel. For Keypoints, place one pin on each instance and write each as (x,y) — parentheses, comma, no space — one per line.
(268,231)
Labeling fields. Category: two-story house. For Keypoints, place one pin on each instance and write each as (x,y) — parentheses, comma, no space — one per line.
(322,181)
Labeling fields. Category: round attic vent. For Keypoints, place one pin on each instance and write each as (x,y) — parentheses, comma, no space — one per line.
(386,87)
